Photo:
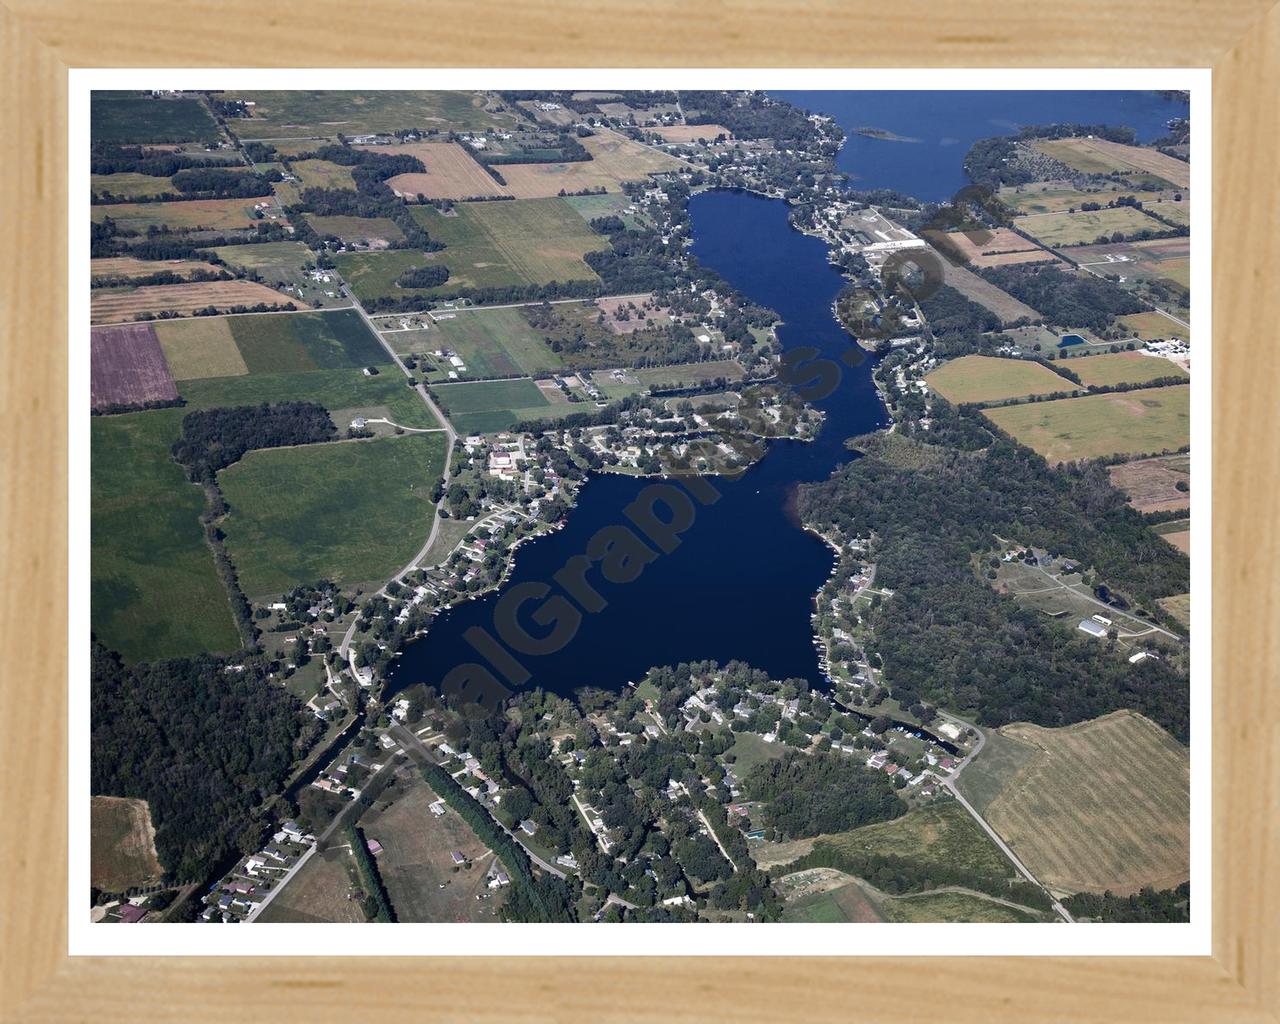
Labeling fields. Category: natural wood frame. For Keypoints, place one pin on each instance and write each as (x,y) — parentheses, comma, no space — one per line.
(40,39)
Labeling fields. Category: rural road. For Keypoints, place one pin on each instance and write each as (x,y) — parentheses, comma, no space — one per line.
(451,436)
(950,784)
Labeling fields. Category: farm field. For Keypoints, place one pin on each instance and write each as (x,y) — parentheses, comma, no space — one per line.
(323,174)
(290,113)
(415,859)
(154,591)
(319,893)
(991,379)
(983,292)
(346,393)
(128,117)
(533,241)
(115,305)
(127,367)
(681,375)
(1108,368)
(486,407)
(1087,226)
(372,275)
(614,159)
(1177,211)
(122,851)
(1099,805)
(996,248)
(348,511)
(492,342)
(374,231)
(1062,196)
(185,214)
(451,173)
(283,342)
(129,267)
(1177,533)
(611,204)
(1101,156)
(1137,422)
(1154,327)
(691,132)
(200,347)
(130,185)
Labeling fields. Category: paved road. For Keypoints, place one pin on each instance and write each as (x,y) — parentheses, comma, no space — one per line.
(950,784)
(1103,604)
(451,436)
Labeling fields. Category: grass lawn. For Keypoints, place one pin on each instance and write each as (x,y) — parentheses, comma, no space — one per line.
(1084,227)
(611,204)
(154,592)
(318,893)
(989,379)
(281,265)
(492,342)
(126,117)
(351,512)
(750,750)
(336,390)
(1122,368)
(1144,421)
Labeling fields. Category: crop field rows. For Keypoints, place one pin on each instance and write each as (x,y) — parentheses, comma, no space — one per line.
(451,172)
(117,305)
(185,214)
(1086,226)
(1099,805)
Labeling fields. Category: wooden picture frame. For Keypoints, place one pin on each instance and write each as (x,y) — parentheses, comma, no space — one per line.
(1240,982)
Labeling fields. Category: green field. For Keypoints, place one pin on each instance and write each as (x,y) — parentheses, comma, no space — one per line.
(346,393)
(611,204)
(182,215)
(492,342)
(848,903)
(130,185)
(294,112)
(357,230)
(154,591)
(489,406)
(323,174)
(990,379)
(1059,197)
(1085,227)
(350,511)
(372,275)
(749,750)
(1133,422)
(518,242)
(126,117)
(1121,368)
(1154,326)
(940,833)
(276,343)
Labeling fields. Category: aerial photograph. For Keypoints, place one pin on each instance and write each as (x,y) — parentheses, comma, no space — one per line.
(610,506)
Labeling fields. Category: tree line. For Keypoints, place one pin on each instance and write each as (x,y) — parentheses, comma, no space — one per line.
(213,439)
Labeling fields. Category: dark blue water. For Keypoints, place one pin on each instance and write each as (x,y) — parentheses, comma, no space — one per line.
(948,123)
(741,582)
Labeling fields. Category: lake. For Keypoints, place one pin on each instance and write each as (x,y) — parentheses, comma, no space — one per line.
(740,584)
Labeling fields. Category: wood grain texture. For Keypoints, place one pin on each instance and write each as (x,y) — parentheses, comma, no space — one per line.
(39,40)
